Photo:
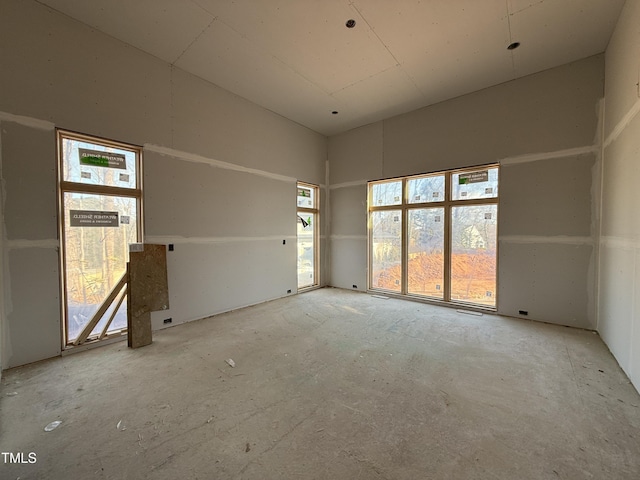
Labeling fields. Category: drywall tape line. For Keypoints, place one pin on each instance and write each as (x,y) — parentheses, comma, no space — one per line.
(619,242)
(27,121)
(534,157)
(557,240)
(214,240)
(356,183)
(18,244)
(192,157)
(348,237)
(623,124)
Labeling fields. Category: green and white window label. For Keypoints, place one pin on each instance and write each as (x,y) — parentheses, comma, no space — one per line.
(96,158)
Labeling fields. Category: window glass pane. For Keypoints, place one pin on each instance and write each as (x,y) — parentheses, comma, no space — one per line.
(90,163)
(386,249)
(97,232)
(306,250)
(386,193)
(475,184)
(473,254)
(426,252)
(306,197)
(426,189)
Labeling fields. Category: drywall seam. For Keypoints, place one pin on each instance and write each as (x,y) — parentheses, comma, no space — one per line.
(6,306)
(619,242)
(622,124)
(348,237)
(164,239)
(27,121)
(192,157)
(538,239)
(325,271)
(597,207)
(3,262)
(15,244)
(355,183)
(534,157)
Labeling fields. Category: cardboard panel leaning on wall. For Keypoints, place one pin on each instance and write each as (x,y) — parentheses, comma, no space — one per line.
(228,229)
(31,278)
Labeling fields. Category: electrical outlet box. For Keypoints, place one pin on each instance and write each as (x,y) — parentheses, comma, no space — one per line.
(288,291)
(171,247)
(355,286)
(523,312)
(167,320)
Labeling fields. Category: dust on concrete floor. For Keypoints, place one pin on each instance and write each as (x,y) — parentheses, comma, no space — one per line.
(330,384)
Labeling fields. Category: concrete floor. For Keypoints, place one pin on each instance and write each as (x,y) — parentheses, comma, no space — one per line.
(330,384)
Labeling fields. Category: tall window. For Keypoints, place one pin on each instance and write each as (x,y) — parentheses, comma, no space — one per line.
(435,235)
(308,215)
(100,214)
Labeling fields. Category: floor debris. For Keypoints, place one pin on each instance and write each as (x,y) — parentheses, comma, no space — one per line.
(52,426)
(230,362)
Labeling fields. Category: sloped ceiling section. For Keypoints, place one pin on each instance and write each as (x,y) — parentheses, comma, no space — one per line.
(299,59)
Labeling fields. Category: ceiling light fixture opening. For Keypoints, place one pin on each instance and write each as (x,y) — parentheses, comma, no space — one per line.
(513,46)
(350,23)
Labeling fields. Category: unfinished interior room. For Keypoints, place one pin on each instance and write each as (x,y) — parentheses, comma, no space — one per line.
(320,239)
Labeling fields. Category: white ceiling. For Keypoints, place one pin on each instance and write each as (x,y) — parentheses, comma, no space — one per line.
(298,59)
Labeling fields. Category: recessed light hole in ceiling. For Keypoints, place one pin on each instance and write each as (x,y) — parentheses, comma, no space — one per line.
(513,46)
(350,23)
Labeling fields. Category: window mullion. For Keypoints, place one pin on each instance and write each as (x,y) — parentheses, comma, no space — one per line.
(447,237)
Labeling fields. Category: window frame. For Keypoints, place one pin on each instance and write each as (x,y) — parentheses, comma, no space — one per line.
(315,210)
(447,203)
(66,186)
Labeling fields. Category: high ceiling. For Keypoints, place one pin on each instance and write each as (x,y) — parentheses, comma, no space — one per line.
(299,59)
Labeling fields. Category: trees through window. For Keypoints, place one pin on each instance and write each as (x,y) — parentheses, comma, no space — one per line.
(435,235)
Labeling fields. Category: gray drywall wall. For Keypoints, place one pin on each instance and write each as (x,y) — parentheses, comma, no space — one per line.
(33,321)
(541,129)
(619,247)
(213,214)
(356,155)
(227,203)
(354,158)
(349,236)
(214,123)
(31,285)
(4,262)
(58,69)
(545,112)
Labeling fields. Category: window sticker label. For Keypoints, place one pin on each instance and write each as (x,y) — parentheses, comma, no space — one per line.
(85,174)
(124,177)
(92,218)
(474,177)
(96,158)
